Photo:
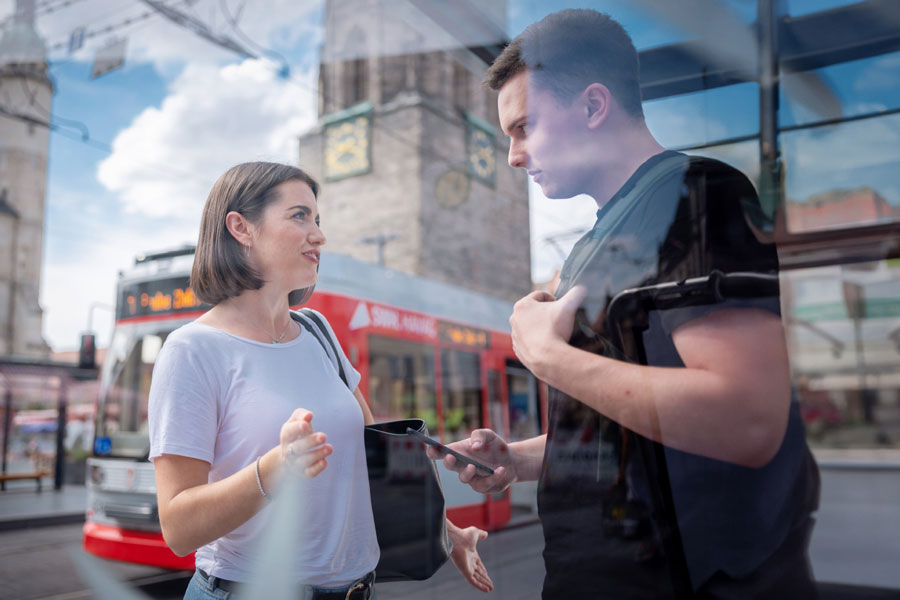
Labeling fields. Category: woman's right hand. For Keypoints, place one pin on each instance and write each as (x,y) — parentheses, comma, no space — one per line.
(303,450)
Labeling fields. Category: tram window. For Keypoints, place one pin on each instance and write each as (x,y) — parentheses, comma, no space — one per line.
(401,380)
(524,416)
(124,410)
(842,326)
(461,376)
(495,401)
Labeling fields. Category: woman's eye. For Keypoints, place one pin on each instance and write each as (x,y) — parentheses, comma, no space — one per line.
(300,215)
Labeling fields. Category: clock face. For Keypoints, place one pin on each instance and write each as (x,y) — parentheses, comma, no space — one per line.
(452,189)
(347,148)
(482,162)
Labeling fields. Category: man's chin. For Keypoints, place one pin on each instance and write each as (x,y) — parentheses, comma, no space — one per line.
(554,193)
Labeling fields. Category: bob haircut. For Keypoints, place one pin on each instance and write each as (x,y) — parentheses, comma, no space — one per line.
(221,270)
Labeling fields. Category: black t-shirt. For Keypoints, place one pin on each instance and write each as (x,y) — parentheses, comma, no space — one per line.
(624,517)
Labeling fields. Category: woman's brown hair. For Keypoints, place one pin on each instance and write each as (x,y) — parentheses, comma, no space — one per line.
(221,270)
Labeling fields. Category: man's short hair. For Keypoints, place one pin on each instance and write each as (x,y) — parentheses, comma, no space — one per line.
(221,269)
(567,51)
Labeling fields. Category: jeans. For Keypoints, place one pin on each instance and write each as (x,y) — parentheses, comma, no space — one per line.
(199,588)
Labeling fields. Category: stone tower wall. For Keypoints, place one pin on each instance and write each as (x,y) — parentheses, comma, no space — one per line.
(27,92)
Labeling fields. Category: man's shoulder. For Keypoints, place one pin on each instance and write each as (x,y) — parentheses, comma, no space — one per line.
(715,171)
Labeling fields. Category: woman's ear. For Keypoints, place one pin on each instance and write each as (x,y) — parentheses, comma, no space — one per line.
(597,100)
(239,228)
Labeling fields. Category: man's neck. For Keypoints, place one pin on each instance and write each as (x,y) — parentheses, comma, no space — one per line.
(633,147)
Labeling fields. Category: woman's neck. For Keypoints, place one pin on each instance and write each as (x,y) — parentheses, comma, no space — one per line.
(259,315)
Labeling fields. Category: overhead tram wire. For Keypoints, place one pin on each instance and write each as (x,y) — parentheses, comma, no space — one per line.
(107,29)
(86,139)
(119,25)
(233,22)
(47,8)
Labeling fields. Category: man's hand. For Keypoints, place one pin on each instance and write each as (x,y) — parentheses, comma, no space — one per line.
(465,555)
(540,322)
(488,448)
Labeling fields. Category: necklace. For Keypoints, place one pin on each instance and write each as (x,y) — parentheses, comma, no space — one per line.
(275,340)
(283,333)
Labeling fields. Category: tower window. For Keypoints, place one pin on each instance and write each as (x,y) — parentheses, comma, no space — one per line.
(461,94)
(357,81)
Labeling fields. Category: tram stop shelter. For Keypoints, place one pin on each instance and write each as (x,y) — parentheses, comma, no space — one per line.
(41,401)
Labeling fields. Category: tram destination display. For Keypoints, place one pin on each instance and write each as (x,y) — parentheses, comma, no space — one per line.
(157,297)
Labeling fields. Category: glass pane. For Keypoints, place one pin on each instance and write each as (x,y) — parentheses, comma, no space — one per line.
(842,174)
(401,380)
(461,373)
(854,88)
(843,331)
(704,117)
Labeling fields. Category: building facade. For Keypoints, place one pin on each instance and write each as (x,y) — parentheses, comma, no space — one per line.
(409,148)
(25,96)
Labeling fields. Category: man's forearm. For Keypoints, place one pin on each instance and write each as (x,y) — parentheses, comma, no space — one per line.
(689,409)
(528,456)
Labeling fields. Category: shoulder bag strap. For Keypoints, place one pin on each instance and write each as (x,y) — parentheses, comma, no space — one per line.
(321,336)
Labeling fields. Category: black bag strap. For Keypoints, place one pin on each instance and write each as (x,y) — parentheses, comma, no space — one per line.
(320,332)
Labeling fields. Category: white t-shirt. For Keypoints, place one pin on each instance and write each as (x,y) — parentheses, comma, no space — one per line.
(221,398)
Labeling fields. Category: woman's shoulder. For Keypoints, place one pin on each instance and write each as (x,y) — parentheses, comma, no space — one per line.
(193,331)
(194,337)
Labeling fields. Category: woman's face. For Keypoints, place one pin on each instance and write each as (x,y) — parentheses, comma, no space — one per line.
(286,241)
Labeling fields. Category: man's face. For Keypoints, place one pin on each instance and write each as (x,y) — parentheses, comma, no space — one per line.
(547,137)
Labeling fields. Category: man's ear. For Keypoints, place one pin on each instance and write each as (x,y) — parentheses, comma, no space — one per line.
(597,104)
(239,228)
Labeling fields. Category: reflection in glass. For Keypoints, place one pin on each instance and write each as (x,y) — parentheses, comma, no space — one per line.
(843,331)
(843,174)
(401,381)
(461,373)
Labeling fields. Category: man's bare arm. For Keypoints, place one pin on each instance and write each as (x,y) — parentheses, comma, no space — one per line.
(730,402)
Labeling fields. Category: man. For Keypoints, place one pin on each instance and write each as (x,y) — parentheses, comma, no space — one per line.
(675,463)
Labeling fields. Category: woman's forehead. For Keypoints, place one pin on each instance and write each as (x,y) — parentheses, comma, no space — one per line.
(296,192)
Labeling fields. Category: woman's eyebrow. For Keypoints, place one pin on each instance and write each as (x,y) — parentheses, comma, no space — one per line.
(306,209)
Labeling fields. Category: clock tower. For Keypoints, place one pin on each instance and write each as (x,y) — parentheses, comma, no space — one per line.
(409,148)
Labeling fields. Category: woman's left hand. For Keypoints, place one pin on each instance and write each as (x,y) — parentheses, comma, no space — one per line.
(465,556)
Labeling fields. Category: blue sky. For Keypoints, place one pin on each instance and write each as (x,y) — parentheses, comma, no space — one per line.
(182,110)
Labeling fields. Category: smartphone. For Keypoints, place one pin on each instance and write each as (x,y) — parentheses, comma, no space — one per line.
(460,457)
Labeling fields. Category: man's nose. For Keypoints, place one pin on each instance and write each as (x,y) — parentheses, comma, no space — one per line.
(518,157)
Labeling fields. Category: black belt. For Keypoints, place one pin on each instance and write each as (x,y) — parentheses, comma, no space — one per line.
(359,590)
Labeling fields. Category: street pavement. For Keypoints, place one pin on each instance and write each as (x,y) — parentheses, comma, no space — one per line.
(854,543)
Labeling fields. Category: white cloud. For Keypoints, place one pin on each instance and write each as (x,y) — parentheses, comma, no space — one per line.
(213,118)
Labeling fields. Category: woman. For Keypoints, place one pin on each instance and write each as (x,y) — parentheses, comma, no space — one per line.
(242,396)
